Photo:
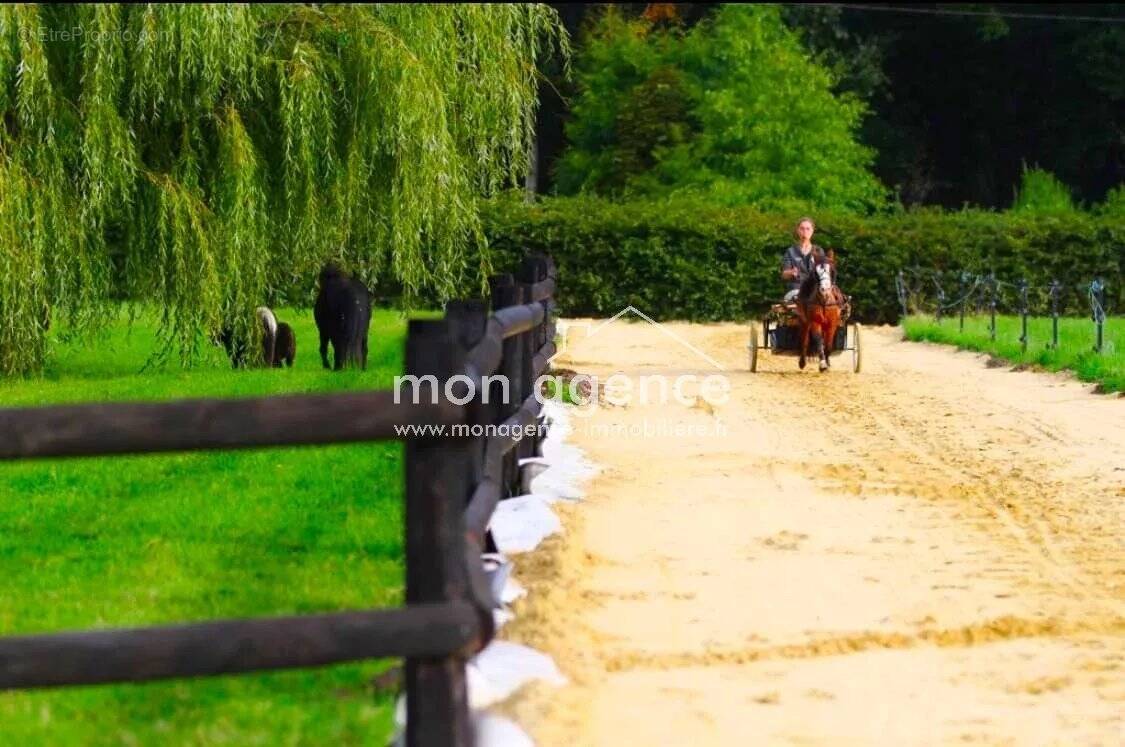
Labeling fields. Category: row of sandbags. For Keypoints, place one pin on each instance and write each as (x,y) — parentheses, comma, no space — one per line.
(519,525)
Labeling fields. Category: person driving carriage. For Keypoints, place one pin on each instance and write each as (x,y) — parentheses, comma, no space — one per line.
(797,261)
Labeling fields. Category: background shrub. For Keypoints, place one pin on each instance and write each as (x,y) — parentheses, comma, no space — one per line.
(686,259)
(1040,191)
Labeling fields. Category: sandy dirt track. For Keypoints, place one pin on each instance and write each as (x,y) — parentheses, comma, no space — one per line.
(940,562)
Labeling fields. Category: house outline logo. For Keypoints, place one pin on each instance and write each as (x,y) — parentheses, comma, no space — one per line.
(593,328)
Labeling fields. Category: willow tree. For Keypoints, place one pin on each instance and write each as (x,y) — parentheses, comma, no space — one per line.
(206,157)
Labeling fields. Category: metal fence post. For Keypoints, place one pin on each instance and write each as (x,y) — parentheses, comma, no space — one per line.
(1097,307)
(940,296)
(992,307)
(1054,292)
(964,299)
(900,288)
(1023,314)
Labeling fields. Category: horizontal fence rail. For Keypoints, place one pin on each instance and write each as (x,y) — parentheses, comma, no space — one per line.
(517,319)
(188,425)
(452,484)
(487,493)
(231,646)
(542,290)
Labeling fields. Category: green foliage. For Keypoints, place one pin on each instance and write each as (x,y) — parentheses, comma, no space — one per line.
(1074,353)
(209,158)
(855,58)
(1114,203)
(170,538)
(1040,191)
(691,259)
(733,109)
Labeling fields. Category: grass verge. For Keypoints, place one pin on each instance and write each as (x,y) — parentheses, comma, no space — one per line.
(1075,351)
(109,542)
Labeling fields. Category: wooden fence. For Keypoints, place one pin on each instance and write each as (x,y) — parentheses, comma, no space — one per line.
(453,484)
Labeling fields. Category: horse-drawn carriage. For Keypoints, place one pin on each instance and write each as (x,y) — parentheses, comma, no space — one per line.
(780,333)
(817,312)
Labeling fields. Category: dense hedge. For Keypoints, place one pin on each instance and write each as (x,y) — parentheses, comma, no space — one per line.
(686,260)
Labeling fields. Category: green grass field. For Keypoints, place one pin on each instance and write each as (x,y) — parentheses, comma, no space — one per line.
(1075,351)
(125,541)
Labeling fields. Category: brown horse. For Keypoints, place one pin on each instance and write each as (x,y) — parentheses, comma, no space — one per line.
(819,302)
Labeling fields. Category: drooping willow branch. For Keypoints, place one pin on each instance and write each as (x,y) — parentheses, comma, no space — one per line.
(208,158)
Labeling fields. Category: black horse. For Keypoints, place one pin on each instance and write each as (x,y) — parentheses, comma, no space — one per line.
(343,314)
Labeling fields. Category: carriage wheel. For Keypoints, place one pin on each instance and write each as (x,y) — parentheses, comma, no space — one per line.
(753,348)
(857,357)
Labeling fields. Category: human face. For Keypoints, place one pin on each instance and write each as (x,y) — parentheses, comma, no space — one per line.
(804,232)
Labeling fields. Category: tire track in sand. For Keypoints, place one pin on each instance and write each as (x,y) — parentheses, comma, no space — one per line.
(929,552)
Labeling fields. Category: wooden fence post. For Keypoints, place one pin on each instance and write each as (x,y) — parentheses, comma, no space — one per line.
(437,488)
(533,270)
(468,321)
(548,324)
(506,293)
(449,602)
(521,363)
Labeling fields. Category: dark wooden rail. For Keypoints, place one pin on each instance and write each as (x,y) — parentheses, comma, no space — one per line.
(195,424)
(454,482)
(229,646)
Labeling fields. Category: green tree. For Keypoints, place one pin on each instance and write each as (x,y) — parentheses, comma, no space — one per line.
(1040,191)
(206,157)
(1114,203)
(733,108)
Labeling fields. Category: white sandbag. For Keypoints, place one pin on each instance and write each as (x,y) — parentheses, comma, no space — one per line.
(497,672)
(559,476)
(489,729)
(512,591)
(505,589)
(504,667)
(496,731)
(531,468)
(557,452)
(521,523)
(486,685)
(482,691)
(498,569)
(501,617)
(556,486)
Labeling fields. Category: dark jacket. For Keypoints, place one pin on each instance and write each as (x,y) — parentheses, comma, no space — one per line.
(804,264)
